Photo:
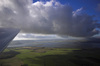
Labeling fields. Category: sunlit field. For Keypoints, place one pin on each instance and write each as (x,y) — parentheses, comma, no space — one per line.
(41,56)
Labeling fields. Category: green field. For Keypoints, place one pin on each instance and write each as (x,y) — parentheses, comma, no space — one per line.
(40,56)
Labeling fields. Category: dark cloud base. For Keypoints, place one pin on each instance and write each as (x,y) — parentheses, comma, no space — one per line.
(46,18)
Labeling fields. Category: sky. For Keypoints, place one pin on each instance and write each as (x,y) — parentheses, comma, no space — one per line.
(90,6)
(77,18)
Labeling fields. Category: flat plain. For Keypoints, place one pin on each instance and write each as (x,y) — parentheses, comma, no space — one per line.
(41,56)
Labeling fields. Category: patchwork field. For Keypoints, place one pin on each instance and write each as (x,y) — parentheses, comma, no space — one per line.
(41,56)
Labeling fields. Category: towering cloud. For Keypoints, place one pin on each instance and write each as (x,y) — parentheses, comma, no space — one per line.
(49,17)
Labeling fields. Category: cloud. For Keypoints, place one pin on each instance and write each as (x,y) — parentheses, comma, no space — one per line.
(49,17)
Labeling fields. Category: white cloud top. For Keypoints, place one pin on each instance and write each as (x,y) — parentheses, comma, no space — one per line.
(49,17)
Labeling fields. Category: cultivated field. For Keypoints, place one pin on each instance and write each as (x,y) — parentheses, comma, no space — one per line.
(41,56)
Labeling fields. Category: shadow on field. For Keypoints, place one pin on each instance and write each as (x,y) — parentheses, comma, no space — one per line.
(84,57)
(9,54)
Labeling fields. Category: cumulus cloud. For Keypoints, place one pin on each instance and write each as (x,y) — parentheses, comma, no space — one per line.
(49,17)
